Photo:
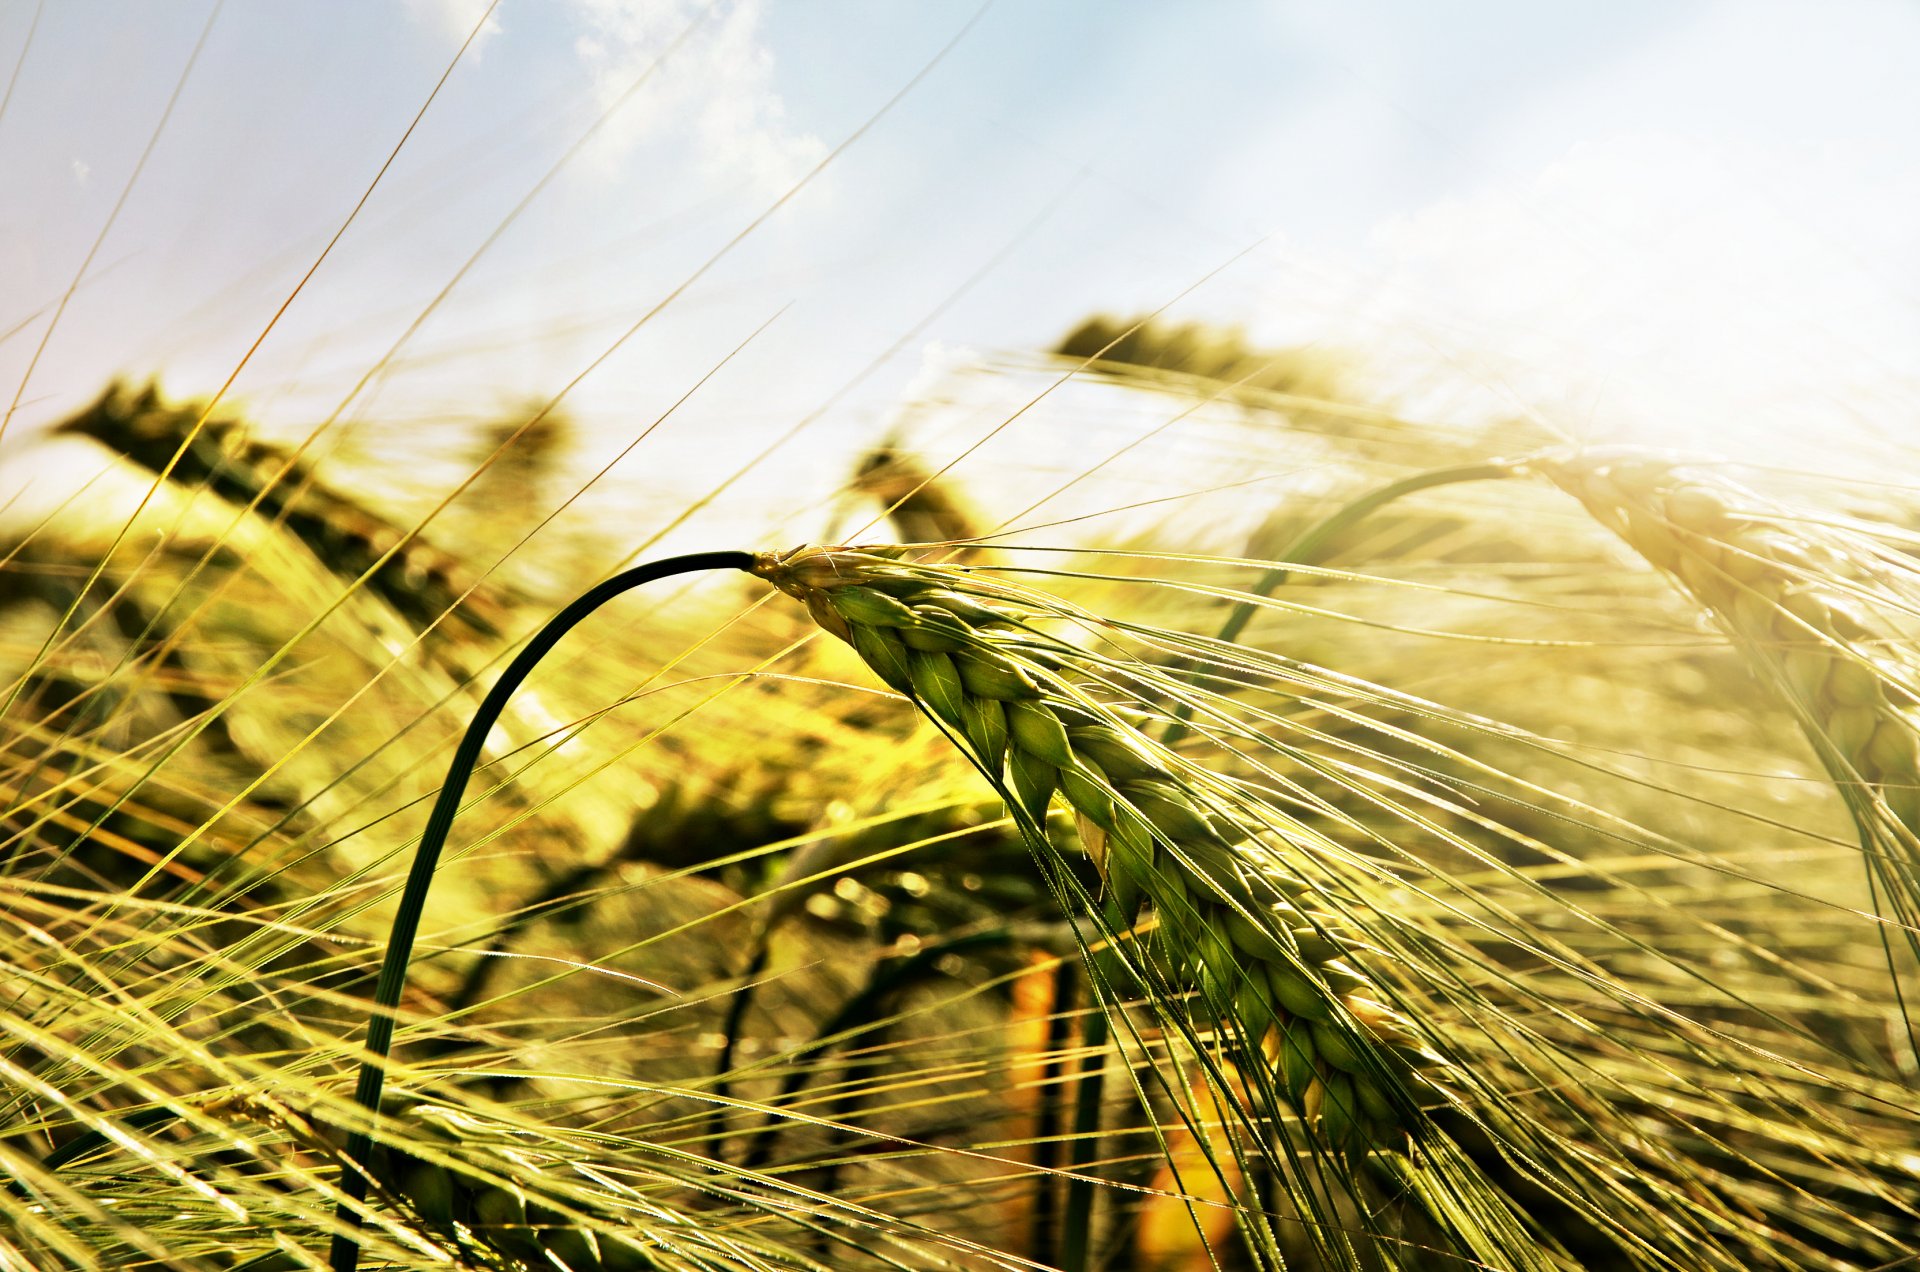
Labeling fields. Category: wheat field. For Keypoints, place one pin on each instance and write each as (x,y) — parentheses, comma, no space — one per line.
(1140,796)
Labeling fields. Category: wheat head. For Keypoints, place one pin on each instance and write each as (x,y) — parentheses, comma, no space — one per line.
(1797,607)
(1275,975)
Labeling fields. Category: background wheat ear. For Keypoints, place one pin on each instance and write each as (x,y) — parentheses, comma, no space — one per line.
(1825,615)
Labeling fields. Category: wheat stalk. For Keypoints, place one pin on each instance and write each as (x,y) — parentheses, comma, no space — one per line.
(1234,922)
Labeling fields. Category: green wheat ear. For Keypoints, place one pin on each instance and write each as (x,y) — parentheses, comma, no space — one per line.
(1272,972)
(1823,619)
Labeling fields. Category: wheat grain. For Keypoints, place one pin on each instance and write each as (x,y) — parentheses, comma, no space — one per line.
(1234,923)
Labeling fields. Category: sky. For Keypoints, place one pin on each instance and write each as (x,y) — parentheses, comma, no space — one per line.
(1686,222)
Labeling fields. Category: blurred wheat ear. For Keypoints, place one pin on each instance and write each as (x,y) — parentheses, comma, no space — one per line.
(1825,615)
(191,448)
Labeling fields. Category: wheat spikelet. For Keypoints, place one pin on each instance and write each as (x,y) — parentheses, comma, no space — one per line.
(1206,352)
(418,592)
(1272,972)
(1793,605)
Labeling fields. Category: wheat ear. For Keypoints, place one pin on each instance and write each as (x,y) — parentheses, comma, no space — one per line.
(1233,921)
(1793,605)
(1775,592)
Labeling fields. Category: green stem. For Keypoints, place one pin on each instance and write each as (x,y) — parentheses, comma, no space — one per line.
(1076,1219)
(1313,543)
(345,1253)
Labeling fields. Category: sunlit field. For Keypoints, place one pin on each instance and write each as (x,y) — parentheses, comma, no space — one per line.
(1068,637)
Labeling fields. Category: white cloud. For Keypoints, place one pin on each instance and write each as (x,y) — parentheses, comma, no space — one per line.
(715,93)
(455,18)
(1704,239)
(1662,285)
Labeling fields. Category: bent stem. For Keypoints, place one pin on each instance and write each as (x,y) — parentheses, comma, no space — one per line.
(1313,544)
(345,1253)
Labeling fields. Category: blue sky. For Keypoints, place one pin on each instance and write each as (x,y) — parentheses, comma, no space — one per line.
(1672,221)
